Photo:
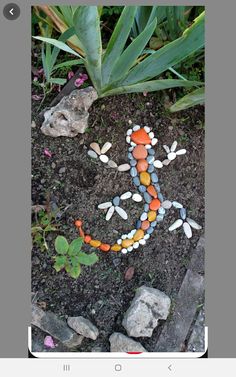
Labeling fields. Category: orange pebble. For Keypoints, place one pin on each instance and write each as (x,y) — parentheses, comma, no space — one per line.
(78,223)
(95,243)
(104,247)
(145,225)
(155,204)
(152,191)
(142,165)
(87,238)
(81,232)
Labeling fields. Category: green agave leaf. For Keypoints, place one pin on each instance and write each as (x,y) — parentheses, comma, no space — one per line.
(61,245)
(87,27)
(68,63)
(75,246)
(61,45)
(131,53)
(87,259)
(117,41)
(151,86)
(197,97)
(169,55)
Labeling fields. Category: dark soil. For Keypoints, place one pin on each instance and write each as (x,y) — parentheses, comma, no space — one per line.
(101,293)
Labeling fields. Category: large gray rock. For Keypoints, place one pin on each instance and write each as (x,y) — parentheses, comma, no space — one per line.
(83,327)
(70,116)
(58,329)
(148,306)
(121,343)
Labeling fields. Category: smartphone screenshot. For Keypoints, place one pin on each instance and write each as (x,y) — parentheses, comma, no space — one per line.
(117,216)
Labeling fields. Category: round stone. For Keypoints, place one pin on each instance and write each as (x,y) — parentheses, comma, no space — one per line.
(127,243)
(128,139)
(143,216)
(133,172)
(154,141)
(157,187)
(146,207)
(161,211)
(167,204)
(138,235)
(158,164)
(150,230)
(152,191)
(124,251)
(150,159)
(140,137)
(95,243)
(147,197)
(142,189)
(145,178)
(119,241)
(160,197)
(130,156)
(130,149)
(136,245)
(136,127)
(96,148)
(147,236)
(152,216)
(130,248)
(159,218)
(145,225)
(177,204)
(104,158)
(151,152)
(112,164)
(133,162)
(116,200)
(154,177)
(151,135)
(129,132)
(92,154)
(140,152)
(155,204)
(126,195)
(136,181)
(147,129)
(124,236)
(171,156)
(138,225)
(116,247)
(153,224)
(151,168)
(142,165)
(137,198)
(142,241)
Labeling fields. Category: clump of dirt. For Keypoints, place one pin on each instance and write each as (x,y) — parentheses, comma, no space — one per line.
(101,293)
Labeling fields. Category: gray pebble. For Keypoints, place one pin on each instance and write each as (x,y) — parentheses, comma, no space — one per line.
(133,162)
(147,197)
(146,207)
(142,188)
(153,224)
(138,224)
(151,152)
(161,211)
(160,197)
(151,168)
(183,213)
(133,172)
(130,156)
(150,159)
(159,218)
(62,170)
(150,230)
(157,187)
(136,181)
(53,165)
(116,200)
(154,177)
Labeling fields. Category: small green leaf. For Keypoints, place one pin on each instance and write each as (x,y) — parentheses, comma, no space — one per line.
(75,246)
(75,271)
(61,245)
(87,259)
(57,81)
(60,262)
(50,228)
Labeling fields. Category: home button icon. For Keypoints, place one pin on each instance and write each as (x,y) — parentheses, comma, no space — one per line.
(118,368)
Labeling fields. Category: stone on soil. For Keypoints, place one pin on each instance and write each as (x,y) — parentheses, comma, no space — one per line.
(121,343)
(83,327)
(148,306)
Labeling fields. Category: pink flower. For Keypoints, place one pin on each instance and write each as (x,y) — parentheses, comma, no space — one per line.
(47,153)
(82,78)
(70,75)
(145,94)
(49,342)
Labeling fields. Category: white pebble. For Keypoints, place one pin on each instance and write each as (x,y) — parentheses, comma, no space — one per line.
(130,248)
(128,139)
(124,236)
(136,245)
(112,164)
(158,164)
(106,147)
(130,149)
(130,121)
(130,236)
(148,146)
(124,251)
(193,224)
(143,217)
(171,156)
(147,129)
(126,195)
(121,212)
(154,141)
(133,231)
(136,128)
(173,146)
(151,135)
(167,149)
(124,167)
(92,154)
(166,204)
(181,151)
(104,158)
(110,213)
(119,241)
(176,225)
(129,132)
(133,144)
(187,230)
(146,237)
(177,204)
(142,241)
(105,205)
(137,198)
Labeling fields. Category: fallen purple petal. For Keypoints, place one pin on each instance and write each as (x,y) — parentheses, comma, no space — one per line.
(49,342)
(37,97)
(47,153)
(70,75)
(82,78)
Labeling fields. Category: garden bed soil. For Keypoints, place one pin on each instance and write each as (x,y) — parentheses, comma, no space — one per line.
(101,293)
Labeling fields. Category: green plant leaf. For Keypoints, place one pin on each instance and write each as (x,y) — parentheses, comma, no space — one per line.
(151,86)
(87,259)
(61,45)
(131,53)
(75,246)
(169,55)
(75,271)
(197,97)
(60,262)
(117,41)
(50,228)
(61,245)
(58,81)
(87,27)
(68,63)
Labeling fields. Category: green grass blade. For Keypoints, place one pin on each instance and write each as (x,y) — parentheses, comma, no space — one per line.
(117,41)
(61,45)
(68,63)
(131,53)
(197,97)
(87,27)
(169,55)
(151,86)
